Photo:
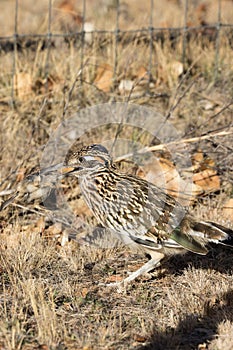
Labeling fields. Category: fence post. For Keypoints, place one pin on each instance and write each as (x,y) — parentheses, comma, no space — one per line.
(116,43)
(151,42)
(49,37)
(14,55)
(184,44)
(217,43)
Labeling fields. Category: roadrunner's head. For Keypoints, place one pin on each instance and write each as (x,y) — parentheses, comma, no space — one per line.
(86,159)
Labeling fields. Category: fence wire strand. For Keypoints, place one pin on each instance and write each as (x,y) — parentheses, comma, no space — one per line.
(12,43)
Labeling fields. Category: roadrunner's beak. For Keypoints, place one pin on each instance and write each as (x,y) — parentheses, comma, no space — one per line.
(67,170)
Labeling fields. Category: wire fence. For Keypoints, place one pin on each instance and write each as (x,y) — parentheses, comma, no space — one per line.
(149,34)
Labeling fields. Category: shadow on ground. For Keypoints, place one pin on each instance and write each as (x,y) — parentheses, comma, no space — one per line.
(219,259)
(196,331)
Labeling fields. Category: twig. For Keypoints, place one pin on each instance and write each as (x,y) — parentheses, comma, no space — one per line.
(8,201)
(175,105)
(165,145)
(6,192)
(28,209)
(70,92)
(226,106)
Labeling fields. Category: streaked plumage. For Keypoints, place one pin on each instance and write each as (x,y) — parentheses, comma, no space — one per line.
(139,212)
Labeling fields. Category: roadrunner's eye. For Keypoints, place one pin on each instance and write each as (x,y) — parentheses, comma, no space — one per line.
(87,158)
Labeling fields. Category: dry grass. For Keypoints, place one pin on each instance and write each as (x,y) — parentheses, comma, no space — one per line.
(50,297)
(170,13)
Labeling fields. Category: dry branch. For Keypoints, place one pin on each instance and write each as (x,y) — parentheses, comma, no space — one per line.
(163,146)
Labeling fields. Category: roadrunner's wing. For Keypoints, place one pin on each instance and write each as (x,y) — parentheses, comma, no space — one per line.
(188,242)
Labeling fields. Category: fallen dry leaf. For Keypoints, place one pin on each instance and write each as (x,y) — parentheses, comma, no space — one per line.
(205,174)
(68,17)
(201,161)
(140,338)
(163,173)
(42,86)
(23,85)
(84,292)
(114,278)
(20,174)
(197,159)
(87,347)
(142,75)
(43,347)
(104,77)
(208,180)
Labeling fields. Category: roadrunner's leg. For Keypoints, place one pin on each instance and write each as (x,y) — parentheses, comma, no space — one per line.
(147,267)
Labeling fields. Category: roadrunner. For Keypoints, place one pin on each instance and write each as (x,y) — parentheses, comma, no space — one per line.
(138,212)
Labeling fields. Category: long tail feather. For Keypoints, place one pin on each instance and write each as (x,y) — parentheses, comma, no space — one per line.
(213,232)
(195,236)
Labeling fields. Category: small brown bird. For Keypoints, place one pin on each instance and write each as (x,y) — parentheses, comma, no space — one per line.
(139,212)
